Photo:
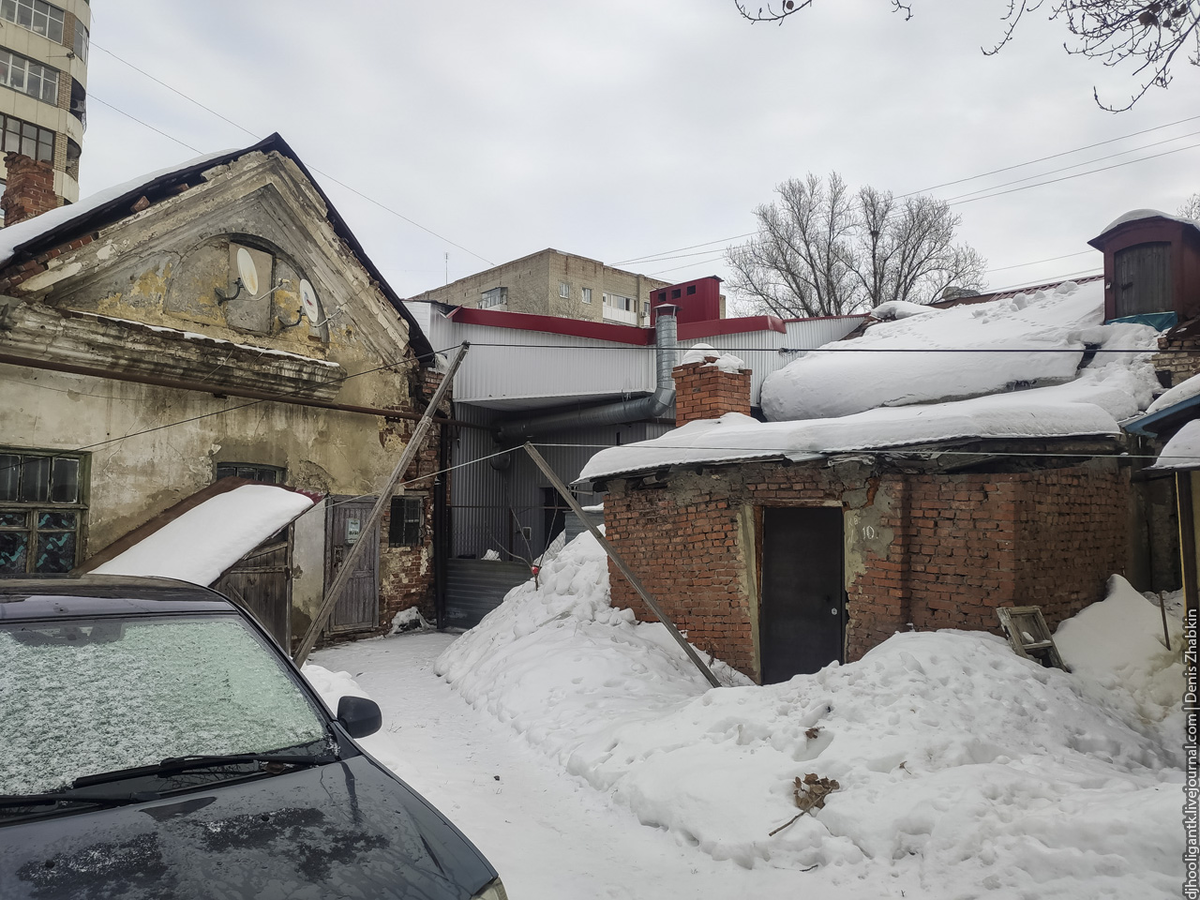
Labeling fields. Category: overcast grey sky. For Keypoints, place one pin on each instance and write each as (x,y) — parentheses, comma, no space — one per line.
(623,129)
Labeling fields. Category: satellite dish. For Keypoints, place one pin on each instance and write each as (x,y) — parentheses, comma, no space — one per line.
(246,271)
(312,308)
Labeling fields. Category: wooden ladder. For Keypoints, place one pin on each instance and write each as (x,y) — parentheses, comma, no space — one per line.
(1026,630)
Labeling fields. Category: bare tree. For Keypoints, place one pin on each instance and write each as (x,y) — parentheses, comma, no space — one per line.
(823,249)
(1190,209)
(1148,33)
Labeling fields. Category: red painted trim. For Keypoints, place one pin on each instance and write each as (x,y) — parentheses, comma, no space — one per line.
(601,331)
(689,331)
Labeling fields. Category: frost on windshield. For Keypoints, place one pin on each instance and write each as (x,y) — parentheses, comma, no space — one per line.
(82,698)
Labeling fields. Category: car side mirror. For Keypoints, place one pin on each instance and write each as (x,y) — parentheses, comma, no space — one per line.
(359,716)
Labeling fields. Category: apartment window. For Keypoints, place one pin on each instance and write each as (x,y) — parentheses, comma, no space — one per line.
(81,41)
(27,138)
(564,289)
(495,297)
(404,527)
(39,17)
(586,295)
(616,301)
(41,512)
(28,77)
(251,471)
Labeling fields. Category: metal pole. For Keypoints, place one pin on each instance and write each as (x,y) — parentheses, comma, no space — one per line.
(620,564)
(385,495)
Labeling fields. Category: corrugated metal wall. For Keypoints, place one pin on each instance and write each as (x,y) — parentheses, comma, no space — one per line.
(490,506)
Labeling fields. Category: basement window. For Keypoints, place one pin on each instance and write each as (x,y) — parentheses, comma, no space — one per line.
(42,511)
(407,516)
(251,472)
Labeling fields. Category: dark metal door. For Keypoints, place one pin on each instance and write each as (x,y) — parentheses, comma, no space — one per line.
(358,608)
(800,623)
(261,583)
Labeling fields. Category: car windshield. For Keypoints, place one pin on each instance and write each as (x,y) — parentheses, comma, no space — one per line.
(84,697)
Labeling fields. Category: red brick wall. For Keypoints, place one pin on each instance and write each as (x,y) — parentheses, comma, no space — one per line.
(936,551)
(705,392)
(30,188)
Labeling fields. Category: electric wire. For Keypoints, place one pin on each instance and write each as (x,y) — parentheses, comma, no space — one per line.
(323,174)
(664,256)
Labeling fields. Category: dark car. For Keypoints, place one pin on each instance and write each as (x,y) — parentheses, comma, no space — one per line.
(155,742)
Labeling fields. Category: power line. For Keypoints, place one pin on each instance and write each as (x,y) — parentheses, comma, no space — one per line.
(849,348)
(1051,156)
(324,174)
(229,409)
(665,254)
(146,124)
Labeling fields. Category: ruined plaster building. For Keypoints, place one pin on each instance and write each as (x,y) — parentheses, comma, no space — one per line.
(553,283)
(218,319)
(43,68)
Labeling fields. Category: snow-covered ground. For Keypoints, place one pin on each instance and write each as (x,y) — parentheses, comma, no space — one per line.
(586,758)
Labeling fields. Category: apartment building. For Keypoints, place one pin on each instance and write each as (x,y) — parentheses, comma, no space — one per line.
(43,86)
(553,283)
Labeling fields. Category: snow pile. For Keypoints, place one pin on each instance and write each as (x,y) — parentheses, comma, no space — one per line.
(1117,647)
(332,686)
(900,309)
(962,767)
(701,353)
(206,540)
(1037,339)
(410,620)
(562,647)
(1183,450)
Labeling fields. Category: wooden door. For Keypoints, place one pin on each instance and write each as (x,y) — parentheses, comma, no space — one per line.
(802,590)
(358,608)
(261,583)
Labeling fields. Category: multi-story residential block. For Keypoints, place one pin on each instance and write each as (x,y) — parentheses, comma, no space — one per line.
(553,283)
(43,85)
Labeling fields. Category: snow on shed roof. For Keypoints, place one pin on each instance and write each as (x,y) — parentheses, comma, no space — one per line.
(1183,450)
(840,401)
(205,540)
(908,360)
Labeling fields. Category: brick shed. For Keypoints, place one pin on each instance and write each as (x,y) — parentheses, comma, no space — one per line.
(779,567)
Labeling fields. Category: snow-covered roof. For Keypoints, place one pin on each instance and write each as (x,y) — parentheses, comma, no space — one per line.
(922,379)
(1183,450)
(53,228)
(1136,215)
(29,230)
(1185,390)
(1032,339)
(206,540)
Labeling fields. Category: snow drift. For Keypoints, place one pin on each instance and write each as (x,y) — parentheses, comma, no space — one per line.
(963,768)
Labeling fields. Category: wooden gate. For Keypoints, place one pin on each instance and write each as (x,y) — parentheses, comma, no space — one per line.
(358,608)
(261,583)
(801,620)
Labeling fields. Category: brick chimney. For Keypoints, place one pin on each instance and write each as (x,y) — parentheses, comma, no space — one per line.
(30,188)
(704,391)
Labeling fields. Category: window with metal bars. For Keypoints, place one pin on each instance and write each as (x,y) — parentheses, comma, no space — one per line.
(42,512)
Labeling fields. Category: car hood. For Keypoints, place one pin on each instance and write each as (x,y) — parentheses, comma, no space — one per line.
(338,830)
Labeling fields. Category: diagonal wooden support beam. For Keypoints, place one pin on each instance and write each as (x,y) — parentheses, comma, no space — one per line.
(334,592)
(620,564)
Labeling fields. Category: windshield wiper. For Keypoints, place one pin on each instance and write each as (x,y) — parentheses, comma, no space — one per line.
(76,796)
(178,764)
